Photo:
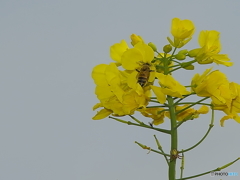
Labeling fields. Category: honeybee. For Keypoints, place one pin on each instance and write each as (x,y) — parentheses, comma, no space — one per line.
(143,74)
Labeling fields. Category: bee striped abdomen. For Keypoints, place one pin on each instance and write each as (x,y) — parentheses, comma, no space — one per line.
(143,74)
(142,81)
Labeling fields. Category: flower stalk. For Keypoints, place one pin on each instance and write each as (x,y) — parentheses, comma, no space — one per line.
(174,138)
(141,80)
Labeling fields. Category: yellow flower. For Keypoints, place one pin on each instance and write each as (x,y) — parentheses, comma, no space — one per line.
(113,93)
(133,59)
(117,50)
(212,84)
(225,96)
(169,86)
(189,113)
(157,114)
(210,48)
(136,39)
(140,53)
(232,111)
(182,31)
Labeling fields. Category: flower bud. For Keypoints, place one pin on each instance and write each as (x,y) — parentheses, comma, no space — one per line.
(184,51)
(193,53)
(153,46)
(190,67)
(135,39)
(187,66)
(167,48)
(180,56)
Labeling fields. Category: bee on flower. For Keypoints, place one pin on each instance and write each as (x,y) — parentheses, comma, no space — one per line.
(143,74)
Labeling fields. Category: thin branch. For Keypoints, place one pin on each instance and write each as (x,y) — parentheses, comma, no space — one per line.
(209,129)
(191,105)
(160,148)
(141,125)
(217,169)
(150,149)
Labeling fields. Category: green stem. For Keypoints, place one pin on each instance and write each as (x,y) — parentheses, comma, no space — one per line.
(155,106)
(182,98)
(174,138)
(159,55)
(182,166)
(184,120)
(135,119)
(217,169)
(141,125)
(190,62)
(179,124)
(175,69)
(173,51)
(178,63)
(150,149)
(160,148)
(195,103)
(209,129)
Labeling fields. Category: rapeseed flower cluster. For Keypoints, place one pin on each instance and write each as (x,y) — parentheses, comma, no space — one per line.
(140,76)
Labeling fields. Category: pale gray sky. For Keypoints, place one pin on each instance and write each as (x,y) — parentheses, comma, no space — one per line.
(48,49)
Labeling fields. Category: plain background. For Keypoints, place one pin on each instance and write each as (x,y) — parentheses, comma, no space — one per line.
(47,51)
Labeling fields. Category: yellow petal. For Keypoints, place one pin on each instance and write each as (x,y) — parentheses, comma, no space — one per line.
(98,74)
(98,105)
(161,97)
(112,74)
(147,52)
(135,39)
(102,114)
(141,53)
(210,39)
(131,59)
(117,50)
(158,121)
(103,92)
(203,110)
(182,29)
(225,118)
(170,86)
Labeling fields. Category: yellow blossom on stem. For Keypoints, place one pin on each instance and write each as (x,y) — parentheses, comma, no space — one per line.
(140,53)
(212,84)
(114,94)
(232,111)
(126,86)
(169,86)
(157,114)
(133,59)
(189,113)
(182,31)
(210,47)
